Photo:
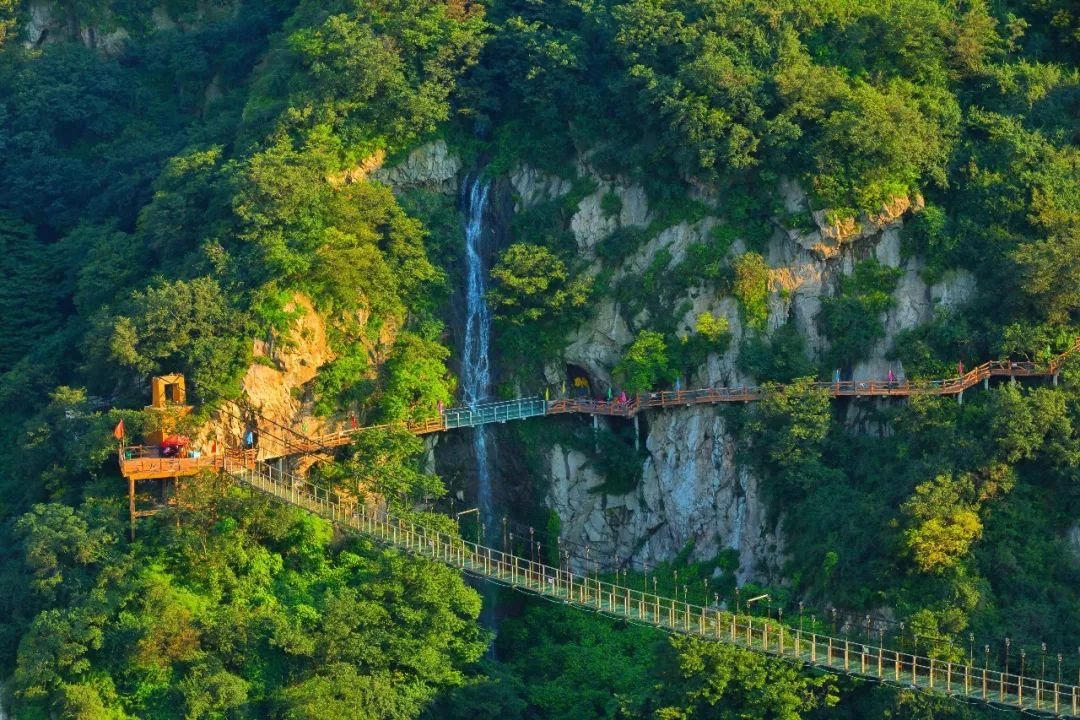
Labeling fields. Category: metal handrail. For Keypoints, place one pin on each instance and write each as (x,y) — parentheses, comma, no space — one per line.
(709,622)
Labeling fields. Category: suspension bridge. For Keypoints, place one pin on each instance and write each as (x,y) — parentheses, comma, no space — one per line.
(963,680)
(959,678)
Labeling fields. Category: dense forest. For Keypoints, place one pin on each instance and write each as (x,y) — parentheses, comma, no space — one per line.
(174,174)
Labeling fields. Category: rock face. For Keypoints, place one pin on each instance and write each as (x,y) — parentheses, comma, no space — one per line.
(431,166)
(692,493)
(1073,541)
(532,187)
(274,386)
(692,489)
(592,222)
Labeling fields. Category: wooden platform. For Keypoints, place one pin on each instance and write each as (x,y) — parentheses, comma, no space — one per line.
(139,462)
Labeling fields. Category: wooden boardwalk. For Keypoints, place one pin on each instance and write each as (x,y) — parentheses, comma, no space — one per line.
(142,467)
(522,408)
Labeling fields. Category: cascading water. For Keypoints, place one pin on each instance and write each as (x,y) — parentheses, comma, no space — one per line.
(475,361)
(476,364)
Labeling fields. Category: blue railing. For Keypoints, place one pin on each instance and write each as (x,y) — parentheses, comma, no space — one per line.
(494,412)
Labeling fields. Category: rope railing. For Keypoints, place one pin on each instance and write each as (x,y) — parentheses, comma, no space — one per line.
(767,636)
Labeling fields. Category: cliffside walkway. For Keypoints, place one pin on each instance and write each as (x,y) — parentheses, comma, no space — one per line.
(143,463)
(966,681)
(522,408)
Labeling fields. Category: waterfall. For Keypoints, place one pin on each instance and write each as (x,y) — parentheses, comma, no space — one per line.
(475,361)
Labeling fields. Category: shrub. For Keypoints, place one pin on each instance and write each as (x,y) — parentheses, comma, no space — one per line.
(752,288)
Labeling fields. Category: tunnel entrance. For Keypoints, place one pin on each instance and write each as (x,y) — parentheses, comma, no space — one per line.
(578,382)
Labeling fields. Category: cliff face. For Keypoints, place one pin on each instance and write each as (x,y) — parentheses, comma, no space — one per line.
(275,386)
(693,491)
(104,28)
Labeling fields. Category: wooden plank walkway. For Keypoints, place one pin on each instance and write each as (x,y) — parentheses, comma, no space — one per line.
(521,408)
(840,655)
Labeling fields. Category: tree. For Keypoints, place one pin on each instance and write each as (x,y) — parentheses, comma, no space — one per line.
(531,283)
(178,326)
(7,18)
(387,463)
(853,319)
(752,288)
(645,364)
(30,294)
(416,381)
(944,522)
(713,328)
(710,679)
(1051,273)
(380,75)
(788,426)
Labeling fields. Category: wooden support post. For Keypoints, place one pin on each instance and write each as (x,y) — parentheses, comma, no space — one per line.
(637,431)
(596,434)
(131,505)
(1055,379)
(960,398)
(986,383)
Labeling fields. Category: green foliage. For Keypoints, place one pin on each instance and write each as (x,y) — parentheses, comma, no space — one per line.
(29,295)
(611,204)
(576,665)
(645,364)
(7,19)
(932,350)
(388,463)
(751,287)
(378,76)
(240,609)
(779,358)
(710,327)
(709,677)
(943,525)
(928,236)
(531,283)
(177,326)
(788,427)
(852,320)
(622,243)
(615,460)
(415,380)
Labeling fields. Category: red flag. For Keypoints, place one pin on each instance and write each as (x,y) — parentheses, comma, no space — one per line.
(118,431)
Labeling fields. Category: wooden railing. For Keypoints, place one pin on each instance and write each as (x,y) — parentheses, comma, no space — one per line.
(143,462)
(522,408)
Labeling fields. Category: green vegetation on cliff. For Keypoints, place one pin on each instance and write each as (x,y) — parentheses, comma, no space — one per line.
(173,175)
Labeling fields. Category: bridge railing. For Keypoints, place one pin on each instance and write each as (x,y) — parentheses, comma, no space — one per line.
(709,622)
(493,412)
